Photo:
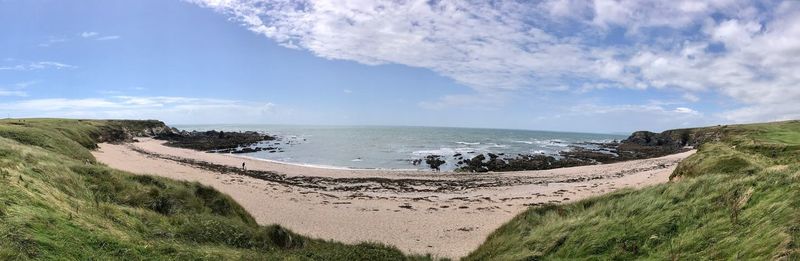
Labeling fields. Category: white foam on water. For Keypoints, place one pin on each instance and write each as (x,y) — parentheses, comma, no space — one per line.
(445,151)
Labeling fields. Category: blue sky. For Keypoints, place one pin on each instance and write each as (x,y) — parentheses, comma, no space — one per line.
(592,66)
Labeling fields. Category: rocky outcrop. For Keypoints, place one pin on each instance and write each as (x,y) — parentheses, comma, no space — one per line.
(520,162)
(646,138)
(114,131)
(212,140)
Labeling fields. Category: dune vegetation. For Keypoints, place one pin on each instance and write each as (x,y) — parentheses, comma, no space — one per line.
(57,203)
(738,197)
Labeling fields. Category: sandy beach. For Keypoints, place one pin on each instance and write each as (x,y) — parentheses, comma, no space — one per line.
(444,214)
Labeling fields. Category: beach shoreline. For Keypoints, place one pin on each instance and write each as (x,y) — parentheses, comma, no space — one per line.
(447,214)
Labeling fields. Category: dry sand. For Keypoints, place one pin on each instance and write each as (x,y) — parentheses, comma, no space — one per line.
(444,214)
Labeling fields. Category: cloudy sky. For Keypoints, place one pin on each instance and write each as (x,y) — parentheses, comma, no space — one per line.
(591,66)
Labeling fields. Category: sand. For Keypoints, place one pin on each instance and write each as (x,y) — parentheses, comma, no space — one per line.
(444,214)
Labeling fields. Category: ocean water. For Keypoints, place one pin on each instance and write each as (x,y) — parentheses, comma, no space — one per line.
(371,147)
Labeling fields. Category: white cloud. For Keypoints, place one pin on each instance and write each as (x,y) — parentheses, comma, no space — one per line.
(97,36)
(347,91)
(743,50)
(173,109)
(763,112)
(108,37)
(36,66)
(499,51)
(89,34)
(685,110)
(629,117)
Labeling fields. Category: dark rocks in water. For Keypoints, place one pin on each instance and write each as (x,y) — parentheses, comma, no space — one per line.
(492,155)
(457,155)
(475,164)
(521,162)
(416,162)
(247,150)
(434,161)
(213,140)
(590,155)
(477,160)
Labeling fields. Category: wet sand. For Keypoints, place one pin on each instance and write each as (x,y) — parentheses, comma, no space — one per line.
(444,214)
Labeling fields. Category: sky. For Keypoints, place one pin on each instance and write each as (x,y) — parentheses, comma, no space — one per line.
(600,66)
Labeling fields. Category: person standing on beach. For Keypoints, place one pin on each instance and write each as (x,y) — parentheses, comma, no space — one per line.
(243,167)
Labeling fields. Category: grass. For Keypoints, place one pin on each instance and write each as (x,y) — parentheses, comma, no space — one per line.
(57,203)
(738,197)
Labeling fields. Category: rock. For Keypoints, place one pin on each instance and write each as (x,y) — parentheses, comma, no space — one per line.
(496,164)
(646,138)
(477,160)
(416,162)
(246,150)
(434,161)
(213,140)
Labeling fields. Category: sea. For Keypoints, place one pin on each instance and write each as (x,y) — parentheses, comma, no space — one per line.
(389,147)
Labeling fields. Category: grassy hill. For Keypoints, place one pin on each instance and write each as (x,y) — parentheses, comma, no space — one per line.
(738,197)
(56,202)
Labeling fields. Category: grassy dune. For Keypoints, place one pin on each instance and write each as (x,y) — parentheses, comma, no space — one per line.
(738,197)
(56,202)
